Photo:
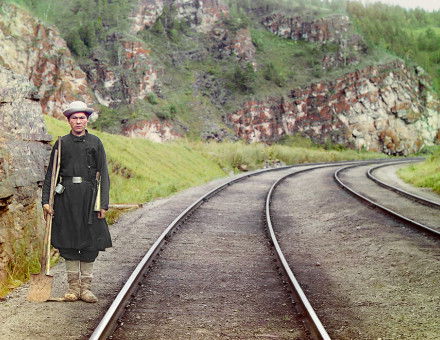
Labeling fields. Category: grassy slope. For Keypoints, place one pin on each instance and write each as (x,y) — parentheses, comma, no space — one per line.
(425,174)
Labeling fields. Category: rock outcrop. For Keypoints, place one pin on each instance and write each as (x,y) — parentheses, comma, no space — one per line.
(335,29)
(40,54)
(145,14)
(153,130)
(201,15)
(387,108)
(132,80)
(24,152)
(237,43)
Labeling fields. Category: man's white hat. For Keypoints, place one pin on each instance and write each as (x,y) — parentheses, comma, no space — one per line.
(77,106)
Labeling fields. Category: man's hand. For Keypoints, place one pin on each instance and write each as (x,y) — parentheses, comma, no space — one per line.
(47,211)
(101,213)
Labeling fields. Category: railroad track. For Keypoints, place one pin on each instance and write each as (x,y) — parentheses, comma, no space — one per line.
(392,200)
(411,195)
(367,275)
(127,300)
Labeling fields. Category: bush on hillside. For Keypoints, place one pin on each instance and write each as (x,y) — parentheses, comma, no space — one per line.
(244,78)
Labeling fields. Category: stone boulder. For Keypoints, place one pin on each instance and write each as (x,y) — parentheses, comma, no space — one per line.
(24,152)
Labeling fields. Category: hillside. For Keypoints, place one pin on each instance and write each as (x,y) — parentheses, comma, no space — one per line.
(413,35)
(228,70)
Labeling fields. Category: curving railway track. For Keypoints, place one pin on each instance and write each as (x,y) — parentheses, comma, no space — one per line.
(219,275)
(418,211)
(368,275)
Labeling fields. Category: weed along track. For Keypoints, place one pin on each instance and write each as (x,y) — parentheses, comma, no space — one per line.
(425,198)
(367,275)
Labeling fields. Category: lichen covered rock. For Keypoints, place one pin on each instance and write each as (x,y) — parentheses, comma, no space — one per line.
(38,52)
(24,153)
(334,29)
(201,15)
(154,130)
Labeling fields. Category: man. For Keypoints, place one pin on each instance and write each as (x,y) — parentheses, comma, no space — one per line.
(79,232)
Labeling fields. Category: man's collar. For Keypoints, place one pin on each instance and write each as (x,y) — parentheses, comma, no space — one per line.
(76,138)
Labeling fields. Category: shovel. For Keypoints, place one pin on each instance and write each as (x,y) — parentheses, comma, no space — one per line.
(41,284)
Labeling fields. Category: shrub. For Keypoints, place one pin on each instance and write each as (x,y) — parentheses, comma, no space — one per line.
(273,73)
(167,113)
(244,78)
(151,98)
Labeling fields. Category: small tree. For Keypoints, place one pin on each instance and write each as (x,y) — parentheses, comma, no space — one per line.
(244,78)
(76,45)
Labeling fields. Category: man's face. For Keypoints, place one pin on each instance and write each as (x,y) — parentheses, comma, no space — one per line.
(78,123)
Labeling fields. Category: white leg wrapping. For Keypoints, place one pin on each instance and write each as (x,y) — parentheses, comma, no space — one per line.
(86,282)
(73,279)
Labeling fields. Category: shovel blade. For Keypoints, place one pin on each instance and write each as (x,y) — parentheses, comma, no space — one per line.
(40,288)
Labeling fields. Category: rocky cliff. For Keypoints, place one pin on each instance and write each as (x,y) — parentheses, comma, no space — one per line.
(23,155)
(131,80)
(385,108)
(136,74)
(38,52)
(393,101)
(201,15)
(336,31)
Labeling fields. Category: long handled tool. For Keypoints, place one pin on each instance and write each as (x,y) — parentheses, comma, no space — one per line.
(41,284)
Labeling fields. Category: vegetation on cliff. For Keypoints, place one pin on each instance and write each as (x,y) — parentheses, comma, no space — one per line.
(412,34)
(199,83)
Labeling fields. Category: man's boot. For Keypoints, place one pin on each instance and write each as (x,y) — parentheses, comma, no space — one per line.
(86,282)
(72,270)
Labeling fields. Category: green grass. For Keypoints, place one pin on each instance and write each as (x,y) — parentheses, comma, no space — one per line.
(425,174)
(25,261)
(238,155)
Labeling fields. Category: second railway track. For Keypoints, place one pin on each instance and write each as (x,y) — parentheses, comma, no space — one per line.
(367,275)
(390,199)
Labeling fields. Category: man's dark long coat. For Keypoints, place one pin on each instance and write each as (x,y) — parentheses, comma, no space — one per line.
(82,157)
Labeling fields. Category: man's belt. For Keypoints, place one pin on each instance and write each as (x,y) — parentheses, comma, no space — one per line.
(74,180)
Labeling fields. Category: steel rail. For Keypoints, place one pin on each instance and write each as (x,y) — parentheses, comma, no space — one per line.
(390,212)
(312,321)
(108,322)
(400,191)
